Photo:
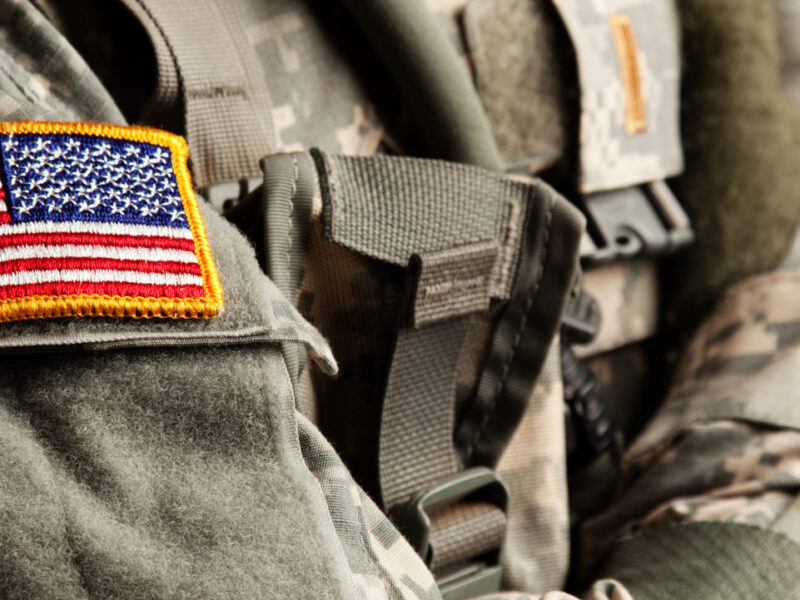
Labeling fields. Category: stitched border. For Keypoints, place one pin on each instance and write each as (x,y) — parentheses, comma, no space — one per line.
(487,413)
(140,307)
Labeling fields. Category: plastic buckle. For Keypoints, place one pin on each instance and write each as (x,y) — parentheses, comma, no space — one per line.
(638,220)
(589,430)
(477,483)
(223,195)
(582,318)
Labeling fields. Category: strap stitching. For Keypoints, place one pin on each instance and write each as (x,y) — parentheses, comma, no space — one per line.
(290,228)
(517,338)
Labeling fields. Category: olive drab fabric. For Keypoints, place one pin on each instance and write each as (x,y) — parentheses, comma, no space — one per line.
(223,459)
(742,83)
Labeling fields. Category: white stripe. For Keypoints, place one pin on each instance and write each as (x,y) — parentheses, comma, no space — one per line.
(99,276)
(95,228)
(81,251)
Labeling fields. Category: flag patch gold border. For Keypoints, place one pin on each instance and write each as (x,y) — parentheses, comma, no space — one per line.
(139,307)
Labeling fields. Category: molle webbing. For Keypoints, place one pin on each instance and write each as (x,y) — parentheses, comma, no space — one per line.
(207,68)
(471,241)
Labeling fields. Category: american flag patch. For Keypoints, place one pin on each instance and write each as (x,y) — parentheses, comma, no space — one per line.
(100,220)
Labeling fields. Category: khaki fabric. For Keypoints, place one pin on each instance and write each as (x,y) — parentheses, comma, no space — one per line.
(534,468)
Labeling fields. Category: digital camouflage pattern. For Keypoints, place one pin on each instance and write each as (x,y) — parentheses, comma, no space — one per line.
(725,446)
(63,88)
(741,364)
(627,293)
(354,300)
(788,13)
(533,467)
(713,452)
(306,50)
(604,589)
(383,564)
(609,156)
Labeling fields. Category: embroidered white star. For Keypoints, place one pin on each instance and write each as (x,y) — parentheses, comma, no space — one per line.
(110,175)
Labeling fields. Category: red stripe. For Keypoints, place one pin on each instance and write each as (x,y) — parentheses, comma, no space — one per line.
(109,288)
(91,239)
(5,217)
(112,264)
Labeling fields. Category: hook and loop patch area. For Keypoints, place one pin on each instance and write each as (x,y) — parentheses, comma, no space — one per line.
(100,220)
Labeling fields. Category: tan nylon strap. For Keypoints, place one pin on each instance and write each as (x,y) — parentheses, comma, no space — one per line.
(206,63)
(463,531)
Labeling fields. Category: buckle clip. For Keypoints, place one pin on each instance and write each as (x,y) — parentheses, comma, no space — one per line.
(629,222)
(411,518)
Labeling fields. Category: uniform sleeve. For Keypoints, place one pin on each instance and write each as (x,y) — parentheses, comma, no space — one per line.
(712,501)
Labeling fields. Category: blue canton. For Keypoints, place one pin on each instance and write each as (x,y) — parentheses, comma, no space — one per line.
(60,177)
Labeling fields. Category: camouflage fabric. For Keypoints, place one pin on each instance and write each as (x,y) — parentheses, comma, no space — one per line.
(725,446)
(604,589)
(713,453)
(383,564)
(788,26)
(536,553)
(610,157)
(62,87)
(741,363)
(627,293)
(354,300)
(306,50)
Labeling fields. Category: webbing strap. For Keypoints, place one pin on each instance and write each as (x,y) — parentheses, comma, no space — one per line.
(288,198)
(206,64)
(456,226)
(392,208)
(464,531)
(547,271)
(416,440)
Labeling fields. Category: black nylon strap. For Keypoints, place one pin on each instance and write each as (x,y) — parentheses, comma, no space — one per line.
(547,270)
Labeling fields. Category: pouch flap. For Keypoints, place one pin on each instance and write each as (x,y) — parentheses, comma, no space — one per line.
(629,74)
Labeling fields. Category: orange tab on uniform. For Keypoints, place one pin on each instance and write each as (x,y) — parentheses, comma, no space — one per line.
(625,44)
